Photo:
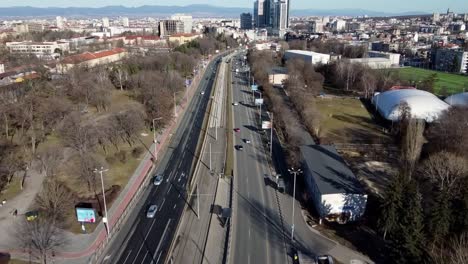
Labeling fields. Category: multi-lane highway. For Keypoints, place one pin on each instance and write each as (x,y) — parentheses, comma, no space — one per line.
(258,233)
(145,240)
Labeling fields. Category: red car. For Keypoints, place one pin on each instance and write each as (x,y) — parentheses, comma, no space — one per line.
(236,129)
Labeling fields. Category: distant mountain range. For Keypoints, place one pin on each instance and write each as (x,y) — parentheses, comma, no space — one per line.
(165,11)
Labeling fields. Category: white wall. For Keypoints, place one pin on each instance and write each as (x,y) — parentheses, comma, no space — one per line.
(342,203)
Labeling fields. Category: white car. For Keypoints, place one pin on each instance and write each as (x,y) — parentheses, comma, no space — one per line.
(235,103)
(158,179)
(202,92)
(152,211)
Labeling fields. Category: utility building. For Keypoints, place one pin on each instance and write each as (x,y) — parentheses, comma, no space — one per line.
(331,185)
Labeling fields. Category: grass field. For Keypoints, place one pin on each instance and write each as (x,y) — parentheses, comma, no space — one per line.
(346,120)
(453,83)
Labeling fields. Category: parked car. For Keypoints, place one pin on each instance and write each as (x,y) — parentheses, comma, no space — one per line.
(236,129)
(247,141)
(202,92)
(158,179)
(152,211)
(239,147)
(235,103)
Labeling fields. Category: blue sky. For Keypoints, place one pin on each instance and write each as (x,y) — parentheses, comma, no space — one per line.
(377,5)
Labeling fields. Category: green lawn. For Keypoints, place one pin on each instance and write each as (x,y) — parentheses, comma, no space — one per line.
(452,82)
(346,120)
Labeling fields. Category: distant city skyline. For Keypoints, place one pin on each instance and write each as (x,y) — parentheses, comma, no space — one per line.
(428,6)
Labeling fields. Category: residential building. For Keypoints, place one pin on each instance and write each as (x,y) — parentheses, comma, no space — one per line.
(105,22)
(89,59)
(308,56)
(145,41)
(125,22)
(451,60)
(384,46)
(170,27)
(40,49)
(354,26)
(186,20)
(246,21)
(331,185)
(338,25)
(60,23)
(316,26)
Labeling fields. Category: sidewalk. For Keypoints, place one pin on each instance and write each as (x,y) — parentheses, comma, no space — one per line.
(84,248)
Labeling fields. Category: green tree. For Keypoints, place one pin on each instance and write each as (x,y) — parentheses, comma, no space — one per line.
(439,218)
(391,206)
(410,237)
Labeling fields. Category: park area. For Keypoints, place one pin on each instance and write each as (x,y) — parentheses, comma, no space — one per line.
(451,83)
(346,120)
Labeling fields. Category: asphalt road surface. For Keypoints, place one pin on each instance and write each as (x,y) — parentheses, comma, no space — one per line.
(144,240)
(259,236)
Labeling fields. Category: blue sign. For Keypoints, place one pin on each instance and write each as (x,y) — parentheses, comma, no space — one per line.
(254,87)
(86,215)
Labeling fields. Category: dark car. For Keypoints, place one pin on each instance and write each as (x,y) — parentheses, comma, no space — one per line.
(324,259)
(239,147)
(236,129)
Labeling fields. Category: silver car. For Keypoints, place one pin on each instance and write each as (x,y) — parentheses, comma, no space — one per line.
(152,211)
(158,179)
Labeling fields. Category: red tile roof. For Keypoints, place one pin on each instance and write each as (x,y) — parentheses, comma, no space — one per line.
(87,56)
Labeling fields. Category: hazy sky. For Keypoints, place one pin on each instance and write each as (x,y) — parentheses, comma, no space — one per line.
(377,5)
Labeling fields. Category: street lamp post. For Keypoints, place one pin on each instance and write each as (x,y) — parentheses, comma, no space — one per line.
(154,139)
(271,136)
(105,220)
(295,172)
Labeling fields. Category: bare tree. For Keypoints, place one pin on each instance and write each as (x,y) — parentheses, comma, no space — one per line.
(445,170)
(411,144)
(55,199)
(50,159)
(40,237)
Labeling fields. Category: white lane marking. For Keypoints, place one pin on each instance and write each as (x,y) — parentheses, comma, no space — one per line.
(143,261)
(159,256)
(169,189)
(175,205)
(161,206)
(163,235)
(127,256)
(144,240)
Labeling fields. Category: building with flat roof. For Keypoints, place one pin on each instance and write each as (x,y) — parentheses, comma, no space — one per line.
(451,60)
(40,49)
(246,21)
(187,20)
(307,56)
(331,185)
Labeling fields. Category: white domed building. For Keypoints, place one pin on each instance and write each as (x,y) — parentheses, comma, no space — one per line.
(423,105)
(460,99)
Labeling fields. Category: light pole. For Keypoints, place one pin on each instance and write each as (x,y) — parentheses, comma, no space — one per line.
(104,219)
(295,172)
(271,136)
(155,140)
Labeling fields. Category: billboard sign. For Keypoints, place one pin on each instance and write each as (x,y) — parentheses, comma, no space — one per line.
(86,215)
(266,125)
(258,101)
(254,87)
